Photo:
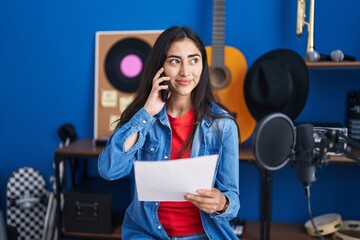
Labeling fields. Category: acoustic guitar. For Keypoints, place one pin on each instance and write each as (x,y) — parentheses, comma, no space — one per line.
(227,73)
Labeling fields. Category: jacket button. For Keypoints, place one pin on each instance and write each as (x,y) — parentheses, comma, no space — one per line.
(159,227)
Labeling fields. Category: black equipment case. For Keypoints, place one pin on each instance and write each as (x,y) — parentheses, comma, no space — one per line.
(96,205)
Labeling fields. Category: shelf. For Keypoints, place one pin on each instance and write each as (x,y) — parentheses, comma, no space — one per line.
(328,65)
(115,235)
(86,147)
(246,154)
(82,148)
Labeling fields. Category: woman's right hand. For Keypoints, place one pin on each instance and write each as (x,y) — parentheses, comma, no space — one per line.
(154,103)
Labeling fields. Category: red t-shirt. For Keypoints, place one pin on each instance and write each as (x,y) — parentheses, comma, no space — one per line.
(180,218)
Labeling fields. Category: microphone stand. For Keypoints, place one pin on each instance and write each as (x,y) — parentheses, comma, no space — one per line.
(307,156)
(266,189)
(333,140)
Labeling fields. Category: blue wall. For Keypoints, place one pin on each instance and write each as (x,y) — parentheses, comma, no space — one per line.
(47,79)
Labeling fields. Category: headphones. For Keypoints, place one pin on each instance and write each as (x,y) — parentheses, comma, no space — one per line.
(67,133)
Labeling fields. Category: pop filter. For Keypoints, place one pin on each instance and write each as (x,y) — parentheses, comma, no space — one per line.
(274,141)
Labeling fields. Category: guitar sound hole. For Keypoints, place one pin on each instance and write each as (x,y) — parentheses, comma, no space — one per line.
(219,77)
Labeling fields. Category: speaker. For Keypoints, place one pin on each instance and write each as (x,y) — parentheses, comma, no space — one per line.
(119,60)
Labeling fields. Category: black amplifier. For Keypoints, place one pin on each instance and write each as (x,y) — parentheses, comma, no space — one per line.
(96,205)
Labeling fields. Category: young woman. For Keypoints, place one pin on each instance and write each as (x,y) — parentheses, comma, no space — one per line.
(188,124)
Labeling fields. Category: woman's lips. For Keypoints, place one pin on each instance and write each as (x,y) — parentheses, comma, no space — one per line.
(183,82)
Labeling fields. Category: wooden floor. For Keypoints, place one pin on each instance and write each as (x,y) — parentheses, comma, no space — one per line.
(278,231)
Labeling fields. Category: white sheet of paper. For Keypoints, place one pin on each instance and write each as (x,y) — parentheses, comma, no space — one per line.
(171,180)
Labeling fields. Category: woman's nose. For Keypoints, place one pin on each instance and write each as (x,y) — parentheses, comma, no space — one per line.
(184,71)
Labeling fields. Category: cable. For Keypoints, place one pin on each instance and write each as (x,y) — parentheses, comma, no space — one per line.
(307,193)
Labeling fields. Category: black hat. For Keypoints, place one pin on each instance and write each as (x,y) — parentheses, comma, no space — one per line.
(278,81)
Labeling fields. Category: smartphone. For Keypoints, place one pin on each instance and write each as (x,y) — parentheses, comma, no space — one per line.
(165,92)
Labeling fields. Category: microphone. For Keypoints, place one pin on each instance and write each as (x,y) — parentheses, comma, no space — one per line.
(304,154)
(339,56)
(315,56)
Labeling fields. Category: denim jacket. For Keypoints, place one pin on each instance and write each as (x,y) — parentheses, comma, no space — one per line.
(154,143)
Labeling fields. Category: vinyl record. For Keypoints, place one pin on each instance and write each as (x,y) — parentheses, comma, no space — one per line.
(124,63)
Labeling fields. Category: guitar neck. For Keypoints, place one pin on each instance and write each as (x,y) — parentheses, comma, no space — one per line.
(218,37)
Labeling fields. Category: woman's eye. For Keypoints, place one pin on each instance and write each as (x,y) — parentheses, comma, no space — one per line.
(174,61)
(194,60)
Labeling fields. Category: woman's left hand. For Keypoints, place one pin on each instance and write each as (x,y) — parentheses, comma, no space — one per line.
(209,201)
